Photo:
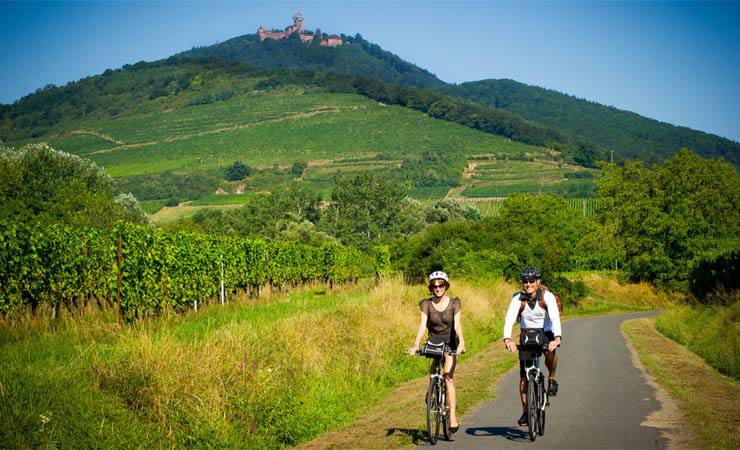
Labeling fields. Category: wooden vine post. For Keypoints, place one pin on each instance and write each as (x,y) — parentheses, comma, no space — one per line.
(120,261)
(87,278)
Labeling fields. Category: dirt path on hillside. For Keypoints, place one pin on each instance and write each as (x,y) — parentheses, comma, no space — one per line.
(400,420)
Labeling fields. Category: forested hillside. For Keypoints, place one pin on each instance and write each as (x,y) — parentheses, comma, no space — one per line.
(356,57)
(628,134)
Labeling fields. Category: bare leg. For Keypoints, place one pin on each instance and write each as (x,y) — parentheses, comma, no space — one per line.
(551,361)
(523,392)
(450,363)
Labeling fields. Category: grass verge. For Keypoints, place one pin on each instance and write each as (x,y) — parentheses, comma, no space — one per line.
(265,373)
(707,398)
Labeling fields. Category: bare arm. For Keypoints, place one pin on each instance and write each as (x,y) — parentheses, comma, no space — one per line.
(459,332)
(419,334)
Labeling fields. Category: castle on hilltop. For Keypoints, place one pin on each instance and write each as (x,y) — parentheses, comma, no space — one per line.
(297,27)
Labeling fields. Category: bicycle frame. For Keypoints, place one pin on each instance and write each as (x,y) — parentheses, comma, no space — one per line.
(436,398)
(536,393)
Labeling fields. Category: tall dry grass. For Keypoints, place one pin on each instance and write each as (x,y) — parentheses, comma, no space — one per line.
(609,291)
(279,381)
(267,373)
(710,330)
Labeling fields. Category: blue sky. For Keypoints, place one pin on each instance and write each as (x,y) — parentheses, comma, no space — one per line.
(677,62)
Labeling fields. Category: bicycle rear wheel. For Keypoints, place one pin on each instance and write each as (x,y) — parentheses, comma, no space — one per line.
(433,413)
(541,407)
(445,411)
(532,407)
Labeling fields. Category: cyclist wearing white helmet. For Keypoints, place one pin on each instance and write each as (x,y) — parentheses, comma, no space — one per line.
(440,315)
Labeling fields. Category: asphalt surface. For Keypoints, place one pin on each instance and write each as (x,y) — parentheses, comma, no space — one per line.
(602,401)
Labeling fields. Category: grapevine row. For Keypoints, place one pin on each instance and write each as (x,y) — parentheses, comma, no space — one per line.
(59,265)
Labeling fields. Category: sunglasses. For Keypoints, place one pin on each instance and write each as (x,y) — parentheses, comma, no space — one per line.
(529,281)
(436,286)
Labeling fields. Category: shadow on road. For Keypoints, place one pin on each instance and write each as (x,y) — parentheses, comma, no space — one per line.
(416,435)
(510,433)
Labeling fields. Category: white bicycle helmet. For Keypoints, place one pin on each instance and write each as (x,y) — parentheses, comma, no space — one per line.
(439,275)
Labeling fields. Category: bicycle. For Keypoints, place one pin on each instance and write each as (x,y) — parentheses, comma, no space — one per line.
(537,397)
(438,411)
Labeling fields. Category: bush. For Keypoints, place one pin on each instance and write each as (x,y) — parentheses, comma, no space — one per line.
(297,168)
(717,271)
(570,292)
(238,171)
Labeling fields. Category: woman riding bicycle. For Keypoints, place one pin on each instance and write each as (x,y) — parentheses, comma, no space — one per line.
(531,313)
(440,315)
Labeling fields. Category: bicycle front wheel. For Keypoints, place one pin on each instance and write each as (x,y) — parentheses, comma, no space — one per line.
(433,413)
(445,412)
(532,407)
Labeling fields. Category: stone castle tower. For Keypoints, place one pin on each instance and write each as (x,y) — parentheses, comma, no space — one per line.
(297,27)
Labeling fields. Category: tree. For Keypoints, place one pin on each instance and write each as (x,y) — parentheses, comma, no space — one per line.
(541,231)
(668,217)
(366,208)
(43,184)
(238,171)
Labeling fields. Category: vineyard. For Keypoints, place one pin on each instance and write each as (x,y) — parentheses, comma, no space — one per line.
(429,193)
(565,188)
(262,130)
(490,207)
(500,178)
(148,270)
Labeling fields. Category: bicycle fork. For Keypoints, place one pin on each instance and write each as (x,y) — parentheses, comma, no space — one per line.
(442,391)
(539,377)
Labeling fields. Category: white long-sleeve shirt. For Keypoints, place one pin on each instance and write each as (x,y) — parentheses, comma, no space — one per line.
(533,318)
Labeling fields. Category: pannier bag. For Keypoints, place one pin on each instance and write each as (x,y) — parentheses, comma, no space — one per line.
(432,350)
(532,337)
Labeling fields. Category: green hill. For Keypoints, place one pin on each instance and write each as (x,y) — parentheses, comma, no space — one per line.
(628,134)
(168,130)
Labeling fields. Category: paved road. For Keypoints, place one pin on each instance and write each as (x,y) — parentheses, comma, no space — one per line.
(602,401)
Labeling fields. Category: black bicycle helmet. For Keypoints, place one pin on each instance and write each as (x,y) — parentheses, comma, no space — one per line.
(530,272)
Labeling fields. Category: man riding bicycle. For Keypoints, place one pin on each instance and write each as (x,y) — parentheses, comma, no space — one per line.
(534,307)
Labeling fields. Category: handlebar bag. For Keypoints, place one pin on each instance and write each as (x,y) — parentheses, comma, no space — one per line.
(532,337)
(433,350)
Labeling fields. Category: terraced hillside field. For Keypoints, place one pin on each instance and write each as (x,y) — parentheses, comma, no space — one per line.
(267,129)
(334,133)
(499,178)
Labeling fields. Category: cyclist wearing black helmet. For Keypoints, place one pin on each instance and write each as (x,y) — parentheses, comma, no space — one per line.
(531,312)
(440,315)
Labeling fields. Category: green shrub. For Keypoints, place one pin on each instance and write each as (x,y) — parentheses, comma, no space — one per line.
(715,271)
(570,292)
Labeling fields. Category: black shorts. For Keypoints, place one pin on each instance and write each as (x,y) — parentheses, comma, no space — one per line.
(528,355)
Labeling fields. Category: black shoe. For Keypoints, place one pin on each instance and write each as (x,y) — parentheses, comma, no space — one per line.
(523,420)
(552,388)
(454,429)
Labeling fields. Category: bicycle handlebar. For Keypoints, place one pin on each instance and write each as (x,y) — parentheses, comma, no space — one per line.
(420,353)
(543,347)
